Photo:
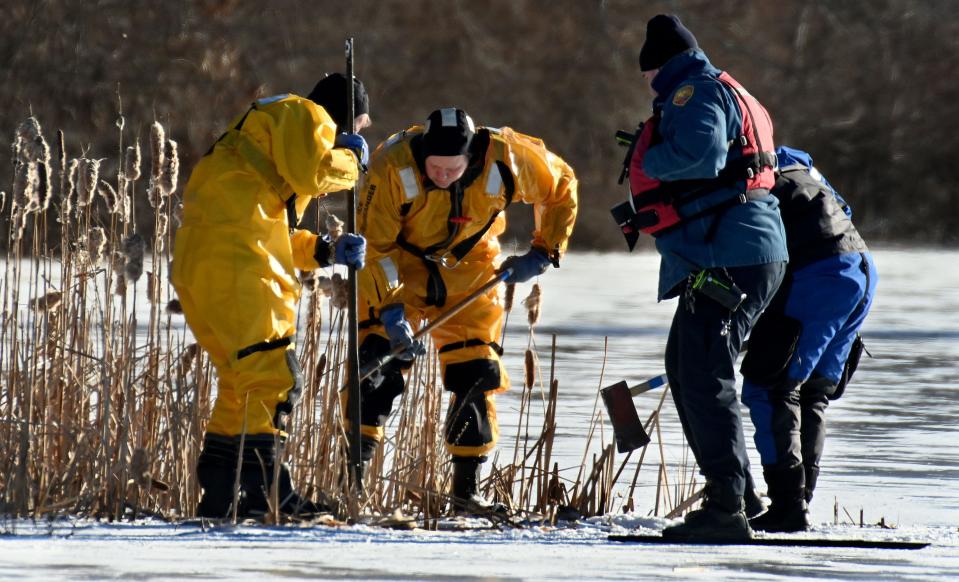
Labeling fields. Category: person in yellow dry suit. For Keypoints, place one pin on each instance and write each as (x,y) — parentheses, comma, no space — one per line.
(234,264)
(431,209)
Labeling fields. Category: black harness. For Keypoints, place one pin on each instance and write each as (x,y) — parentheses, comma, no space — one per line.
(432,256)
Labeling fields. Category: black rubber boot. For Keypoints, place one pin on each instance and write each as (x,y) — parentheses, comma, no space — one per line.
(257,481)
(216,474)
(721,518)
(465,490)
(788,511)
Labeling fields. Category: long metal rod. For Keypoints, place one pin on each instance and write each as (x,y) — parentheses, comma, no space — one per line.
(353,360)
(375,365)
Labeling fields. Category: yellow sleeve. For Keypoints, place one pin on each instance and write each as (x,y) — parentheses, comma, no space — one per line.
(547,182)
(302,144)
(304,246)
(379,220)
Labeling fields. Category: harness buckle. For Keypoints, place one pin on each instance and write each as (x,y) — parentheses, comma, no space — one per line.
(447,260)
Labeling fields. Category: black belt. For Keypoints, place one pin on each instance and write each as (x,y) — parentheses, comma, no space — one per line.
(264,347)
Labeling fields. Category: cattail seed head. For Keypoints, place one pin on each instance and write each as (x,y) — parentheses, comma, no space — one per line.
(158,150)
(48,302)
(341,291)
(532,303)
(334,226)
(110,197)
(73,171)
(308,281)
(134,247)
(34,151)
(510,293)
(189,355)
(171,169)
(131,162)
(325,285)
(89,175)
(97,244)
(120,287)
(530,368)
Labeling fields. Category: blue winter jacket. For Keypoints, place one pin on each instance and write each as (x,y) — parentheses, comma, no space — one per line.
(696,131)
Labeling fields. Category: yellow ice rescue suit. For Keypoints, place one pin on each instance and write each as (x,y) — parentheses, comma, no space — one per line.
(237,250)
(428,248)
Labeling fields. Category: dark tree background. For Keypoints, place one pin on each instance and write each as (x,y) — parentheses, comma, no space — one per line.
(866,86)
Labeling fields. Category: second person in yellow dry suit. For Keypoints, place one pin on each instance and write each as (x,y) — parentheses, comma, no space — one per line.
(431,211)
(234,270)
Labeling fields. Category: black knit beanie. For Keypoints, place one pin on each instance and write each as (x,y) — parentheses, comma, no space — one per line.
(448,132)
(330,94)
(666,37)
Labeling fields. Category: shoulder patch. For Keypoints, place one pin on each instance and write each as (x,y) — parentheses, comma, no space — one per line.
(683,95)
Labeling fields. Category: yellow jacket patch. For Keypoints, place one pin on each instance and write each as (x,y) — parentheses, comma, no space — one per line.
(683,95)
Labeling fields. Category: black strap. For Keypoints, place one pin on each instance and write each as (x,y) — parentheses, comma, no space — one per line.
(264,347)
(471,343)
(465,246)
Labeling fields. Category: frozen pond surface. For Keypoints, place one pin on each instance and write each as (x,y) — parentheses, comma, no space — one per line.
(891,454)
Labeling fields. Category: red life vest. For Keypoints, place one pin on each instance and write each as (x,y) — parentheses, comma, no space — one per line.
(657,205)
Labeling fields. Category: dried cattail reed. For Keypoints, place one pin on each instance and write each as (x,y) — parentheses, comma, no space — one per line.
(334,226)
(88,178)
(110,197)
(35,152)
(325,285)
(134,247)
(189,355)
(510,293)
(131,162)
(171,169)
(530,368)
(3,200)
(531,303)
(120,285)
(308,281)
(162,224)
(48,302)
(340,291)
(73,170)
(25,181)
(174,307)
(151,285)
(97,244)
(157,149)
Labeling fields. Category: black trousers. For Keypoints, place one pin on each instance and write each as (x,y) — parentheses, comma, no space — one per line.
(704,341)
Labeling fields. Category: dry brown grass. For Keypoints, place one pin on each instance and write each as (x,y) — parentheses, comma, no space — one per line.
(102,409)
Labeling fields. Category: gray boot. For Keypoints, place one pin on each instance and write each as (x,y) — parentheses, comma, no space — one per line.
(721,518)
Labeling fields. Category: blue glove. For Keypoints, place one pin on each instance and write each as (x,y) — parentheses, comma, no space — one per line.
(525,267)
(355,142)
(351,250)
(401,333)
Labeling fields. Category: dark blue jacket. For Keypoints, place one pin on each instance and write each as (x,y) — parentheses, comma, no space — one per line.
(817,219)
(696,134)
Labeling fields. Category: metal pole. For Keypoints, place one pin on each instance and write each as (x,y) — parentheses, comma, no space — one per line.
(353,360)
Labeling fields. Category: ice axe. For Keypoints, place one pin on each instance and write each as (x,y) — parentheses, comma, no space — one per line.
(373,367)
(627,428)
